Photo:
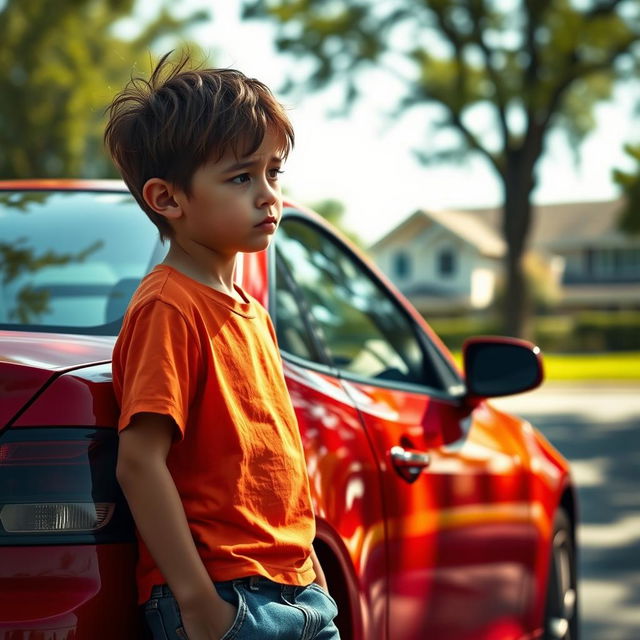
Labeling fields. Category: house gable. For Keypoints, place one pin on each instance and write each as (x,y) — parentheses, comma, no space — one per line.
(402,233)
(431,263)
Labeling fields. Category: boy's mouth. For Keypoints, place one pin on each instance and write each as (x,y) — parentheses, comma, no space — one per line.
(268,221)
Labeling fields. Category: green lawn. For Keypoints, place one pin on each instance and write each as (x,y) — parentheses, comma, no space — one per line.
(596,366)
(623,365)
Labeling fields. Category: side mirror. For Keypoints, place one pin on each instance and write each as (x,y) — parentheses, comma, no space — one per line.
(497,366)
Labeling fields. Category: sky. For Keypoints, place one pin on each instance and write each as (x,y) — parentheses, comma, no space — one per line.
(366,161)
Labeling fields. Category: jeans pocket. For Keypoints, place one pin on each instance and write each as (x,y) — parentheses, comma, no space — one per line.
(241,613)
(163,618)
(316,587)
(153,618)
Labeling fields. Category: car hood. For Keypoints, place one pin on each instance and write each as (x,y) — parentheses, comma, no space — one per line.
(29,360)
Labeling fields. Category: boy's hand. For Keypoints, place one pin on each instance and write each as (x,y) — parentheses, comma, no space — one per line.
(161,521)
(208,619)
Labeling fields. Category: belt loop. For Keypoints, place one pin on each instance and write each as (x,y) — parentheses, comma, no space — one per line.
(288,591)
(254,583)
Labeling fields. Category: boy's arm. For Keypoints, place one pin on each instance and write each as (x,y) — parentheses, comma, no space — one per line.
(159,515)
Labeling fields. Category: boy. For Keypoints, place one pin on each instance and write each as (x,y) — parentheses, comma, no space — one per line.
(210,457)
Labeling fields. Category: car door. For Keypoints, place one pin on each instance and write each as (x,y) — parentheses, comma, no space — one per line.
(458,529)
(343,469)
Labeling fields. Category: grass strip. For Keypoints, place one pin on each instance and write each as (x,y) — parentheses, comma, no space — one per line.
(598,366)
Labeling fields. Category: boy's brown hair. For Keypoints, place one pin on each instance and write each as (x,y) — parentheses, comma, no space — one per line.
(170,125)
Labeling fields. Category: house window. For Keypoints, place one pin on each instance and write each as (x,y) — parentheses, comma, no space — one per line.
(446,262)
(607,264)
(401,265)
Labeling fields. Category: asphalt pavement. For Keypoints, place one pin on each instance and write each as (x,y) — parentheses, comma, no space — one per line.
(597,428)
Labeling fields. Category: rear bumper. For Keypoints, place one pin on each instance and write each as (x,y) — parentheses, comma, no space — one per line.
(74,592)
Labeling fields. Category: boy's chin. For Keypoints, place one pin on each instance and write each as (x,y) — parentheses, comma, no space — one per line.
(258,245)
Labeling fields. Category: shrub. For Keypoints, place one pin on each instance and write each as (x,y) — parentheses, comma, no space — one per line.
(586,331)
(602,331)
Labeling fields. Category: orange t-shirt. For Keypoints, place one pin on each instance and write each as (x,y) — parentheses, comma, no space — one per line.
(212,364)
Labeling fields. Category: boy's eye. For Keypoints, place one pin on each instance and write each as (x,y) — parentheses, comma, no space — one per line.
(241,179)
(274,173)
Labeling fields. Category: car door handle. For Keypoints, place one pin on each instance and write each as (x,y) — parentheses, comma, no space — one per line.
(409,463)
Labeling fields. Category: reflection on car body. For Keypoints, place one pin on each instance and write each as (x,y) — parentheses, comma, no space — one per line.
(438,516)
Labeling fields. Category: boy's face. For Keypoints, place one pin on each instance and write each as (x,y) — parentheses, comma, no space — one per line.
(235,203)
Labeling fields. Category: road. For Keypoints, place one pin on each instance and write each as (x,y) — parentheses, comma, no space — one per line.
(597,427)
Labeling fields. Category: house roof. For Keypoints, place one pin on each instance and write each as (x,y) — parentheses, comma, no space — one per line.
(566,224)
(554,226)
(466,225)
(473,230)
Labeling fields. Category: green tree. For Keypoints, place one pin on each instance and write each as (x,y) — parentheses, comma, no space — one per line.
(535,65)
(630,183)
(333,211)
(62,63)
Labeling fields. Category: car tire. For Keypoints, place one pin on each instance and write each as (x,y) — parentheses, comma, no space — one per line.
(561,611)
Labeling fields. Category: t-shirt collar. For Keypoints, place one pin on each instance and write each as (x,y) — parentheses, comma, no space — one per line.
(244,309)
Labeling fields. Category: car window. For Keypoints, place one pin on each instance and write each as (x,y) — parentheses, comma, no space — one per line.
(365,331)
(292,329)
(71,260)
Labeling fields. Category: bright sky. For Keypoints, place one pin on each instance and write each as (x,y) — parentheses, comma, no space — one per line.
(367,162)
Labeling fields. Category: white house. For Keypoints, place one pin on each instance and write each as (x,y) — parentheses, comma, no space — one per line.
(450,261)
(442,261)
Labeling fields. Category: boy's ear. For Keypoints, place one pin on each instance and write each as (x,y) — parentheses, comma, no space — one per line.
(158,194)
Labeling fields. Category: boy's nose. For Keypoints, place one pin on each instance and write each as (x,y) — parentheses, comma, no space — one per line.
(268,194)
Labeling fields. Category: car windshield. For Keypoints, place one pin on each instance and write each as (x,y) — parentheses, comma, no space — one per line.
(69,260)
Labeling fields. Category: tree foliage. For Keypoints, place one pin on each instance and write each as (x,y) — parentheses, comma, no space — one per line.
(533,65)
(62,63)
(333,211)
(630,183)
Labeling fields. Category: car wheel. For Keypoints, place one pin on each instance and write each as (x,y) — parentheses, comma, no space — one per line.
(561,616)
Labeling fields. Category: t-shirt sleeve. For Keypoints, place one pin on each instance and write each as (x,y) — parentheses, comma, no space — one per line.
(156,365)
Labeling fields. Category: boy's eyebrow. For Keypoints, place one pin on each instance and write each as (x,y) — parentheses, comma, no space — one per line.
(249,163)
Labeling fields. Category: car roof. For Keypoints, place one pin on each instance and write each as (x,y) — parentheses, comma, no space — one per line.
(62,184)
(89,184)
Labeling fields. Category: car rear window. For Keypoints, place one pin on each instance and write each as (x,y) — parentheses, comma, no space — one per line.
(69,261)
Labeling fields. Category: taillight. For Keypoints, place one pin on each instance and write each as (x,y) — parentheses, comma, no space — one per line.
(58,486)
(55,517)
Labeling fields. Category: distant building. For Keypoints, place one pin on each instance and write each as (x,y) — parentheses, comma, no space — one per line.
(450,261)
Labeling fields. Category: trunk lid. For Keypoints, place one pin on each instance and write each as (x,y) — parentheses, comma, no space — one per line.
(29,360)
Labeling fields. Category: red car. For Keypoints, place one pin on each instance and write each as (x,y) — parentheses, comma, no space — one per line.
(438,515)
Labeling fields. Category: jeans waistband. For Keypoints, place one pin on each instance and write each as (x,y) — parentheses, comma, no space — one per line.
(253,582)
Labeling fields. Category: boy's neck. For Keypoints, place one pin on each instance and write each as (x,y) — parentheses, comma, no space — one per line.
(212,270)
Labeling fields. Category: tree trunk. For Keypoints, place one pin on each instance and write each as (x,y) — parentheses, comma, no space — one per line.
(516,310)
(516,222)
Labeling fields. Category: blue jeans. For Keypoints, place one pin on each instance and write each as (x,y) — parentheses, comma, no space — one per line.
(266,610)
